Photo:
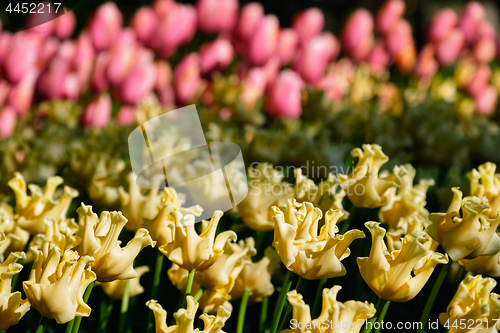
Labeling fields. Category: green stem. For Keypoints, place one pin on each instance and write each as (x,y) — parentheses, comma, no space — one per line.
(287,283)
(42,324)
(189,286)
(198,294)
(263,314)
(86,296)
(433,294)
(318,298)
(69,326)
(104,313)
(154,290)
(124,308)
(289,308)
(381,307)
(243,309)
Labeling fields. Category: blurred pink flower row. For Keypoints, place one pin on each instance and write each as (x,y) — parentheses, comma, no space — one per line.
(130,63)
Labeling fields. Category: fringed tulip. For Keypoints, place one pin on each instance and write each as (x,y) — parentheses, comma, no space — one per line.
(255,209)
(351,315)
(489,186)
(473,302)
(389,14)
(185,318)
(309,24)
(470,21)
(256,278)
(217,16)
(12,307)
(363,186)
(305,252)
(192,251)
(144,22)
(262,45)
(442,25)
(115,289)
(395,276)
(464,230)
(284,97)
(13,238)
(57,282)
(105,26)
(59,233)
(99,238)
(98,112)
(487,265)
(357,37)
(187,80)
(8,121)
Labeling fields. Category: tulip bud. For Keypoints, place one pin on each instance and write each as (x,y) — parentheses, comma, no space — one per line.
(144,23)
(399,38)
(65,24)
(357,36)
(98,112)
(486,101)
(8,119)
(389,15)
(379,58)
(51,81)
(442,25)
(187,78)
(262,44)
(41,23)
(72,86)
(216,55)
(314,57)
(253,88)
(485,49)
(309,24)
(250,16)
(284,98)
(21,94)
(48,50)
(426,65)
(126,115)
(105,26)
(122,56)
(216,16)
(470,21)
(83,61)
(448,49)
(479,80)
(163,74)
(163,7)
(99,81)
(5,40)
(141,80)
(288,41)
(21,56)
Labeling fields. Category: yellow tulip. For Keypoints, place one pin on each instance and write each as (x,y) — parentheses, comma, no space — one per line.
(398,275)
(305,252)
(464,231)
(163,225)
(363,186)
(99,238)
(409,225)
(335,317)
(256,278)
(57,283)
(16,237)
(12,307)
(489,186)
(211,300)
(32,209)
(406,201)
(115,289)
(185,318)
(192,251)
(266,188)
(475,305)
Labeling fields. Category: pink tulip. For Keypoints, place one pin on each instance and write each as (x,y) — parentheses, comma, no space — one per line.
(176,28)
(309,24)
(41,23)
(144,23)
(250,16)
(163,7)
(272,69)
(8,120)
(126,115)
(357,36)
(288,41)
(141,80)
(163,74)
(98,112)
(470,21)
(21,95)
(83,62)
(216,55)
(122,55)
(262,44)
(486,30)
(485,49)
(21,56)
(399,38)
(51,81)
(443,23)
(99,80)
(379,58)
(72,86)
(4,92)
(486,101)
(314,57)
(105,26)
(479,80)
(47,51)
(166,95)
(215,16)
(449,48)
(284,99)
(187,78)
(5,40)
(253,87)
(426,65)
(65,25)
(389,15)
